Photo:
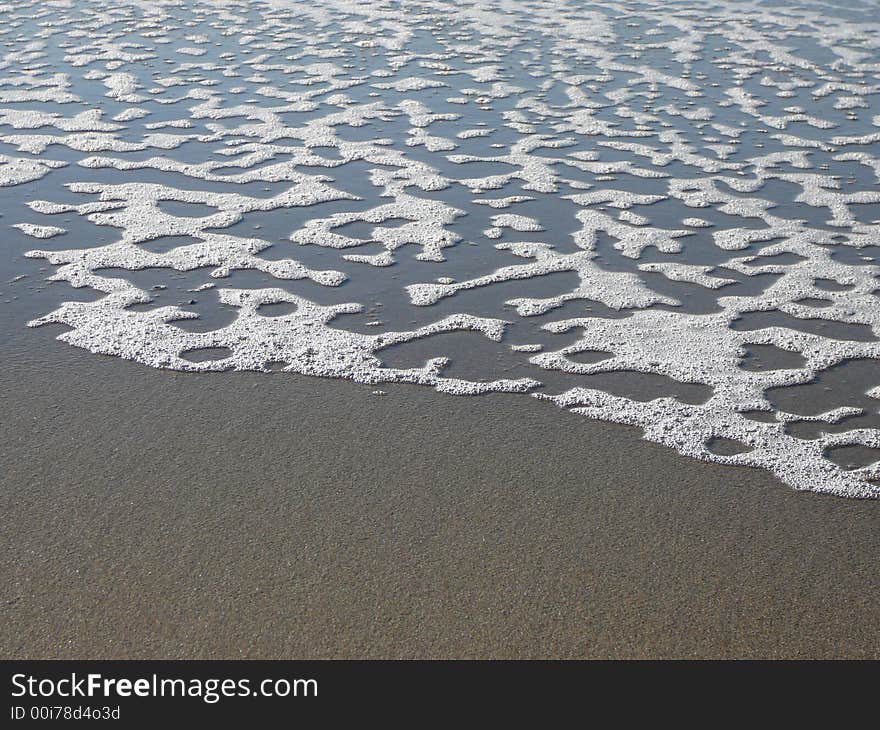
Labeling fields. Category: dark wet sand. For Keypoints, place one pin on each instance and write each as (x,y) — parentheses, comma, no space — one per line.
(155,514)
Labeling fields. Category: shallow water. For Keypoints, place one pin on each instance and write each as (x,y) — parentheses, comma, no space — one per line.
(659,217)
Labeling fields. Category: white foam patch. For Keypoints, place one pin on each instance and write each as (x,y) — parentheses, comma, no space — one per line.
(19,170)
(36,231)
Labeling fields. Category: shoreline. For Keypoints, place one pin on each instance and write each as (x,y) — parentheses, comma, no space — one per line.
(243,515)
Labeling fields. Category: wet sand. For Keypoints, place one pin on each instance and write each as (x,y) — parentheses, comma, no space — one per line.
(154,514)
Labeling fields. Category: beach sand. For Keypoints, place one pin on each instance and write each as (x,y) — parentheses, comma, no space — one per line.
(154,514)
